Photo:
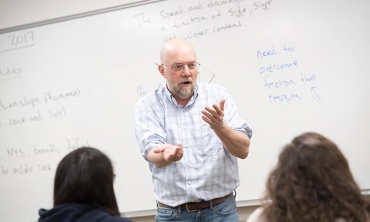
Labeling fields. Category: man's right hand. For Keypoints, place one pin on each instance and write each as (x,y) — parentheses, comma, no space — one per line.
(165,154)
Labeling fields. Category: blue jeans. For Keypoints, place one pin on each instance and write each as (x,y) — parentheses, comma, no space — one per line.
(223,212)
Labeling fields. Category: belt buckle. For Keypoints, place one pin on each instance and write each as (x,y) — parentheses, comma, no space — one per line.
(186,206)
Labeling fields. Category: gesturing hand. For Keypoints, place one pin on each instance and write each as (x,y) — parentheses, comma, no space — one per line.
(170,152)
(214,117)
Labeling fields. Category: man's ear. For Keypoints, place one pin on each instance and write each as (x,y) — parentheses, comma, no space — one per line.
(161,70)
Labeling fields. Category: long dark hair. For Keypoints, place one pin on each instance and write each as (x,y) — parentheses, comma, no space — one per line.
(86,175)
(313,182)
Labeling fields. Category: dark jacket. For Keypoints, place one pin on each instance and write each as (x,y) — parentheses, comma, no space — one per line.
(74,212)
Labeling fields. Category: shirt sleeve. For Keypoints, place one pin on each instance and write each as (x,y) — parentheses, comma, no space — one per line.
(149,119)
(233,118)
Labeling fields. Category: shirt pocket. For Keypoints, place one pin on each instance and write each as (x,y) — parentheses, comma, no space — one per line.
(208,143)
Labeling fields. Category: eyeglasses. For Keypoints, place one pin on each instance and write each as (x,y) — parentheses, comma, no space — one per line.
(179,67)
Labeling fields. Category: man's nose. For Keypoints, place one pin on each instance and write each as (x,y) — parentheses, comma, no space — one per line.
(186,70)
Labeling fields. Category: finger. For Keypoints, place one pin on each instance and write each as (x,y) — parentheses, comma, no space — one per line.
(207,120)
(178,157)
(180,152)
(207,114)
(213,113)
(222,104)
(177,150)
(209,109)
(218,110)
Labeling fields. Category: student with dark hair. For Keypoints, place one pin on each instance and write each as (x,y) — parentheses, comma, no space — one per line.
(83,189)
(312,182)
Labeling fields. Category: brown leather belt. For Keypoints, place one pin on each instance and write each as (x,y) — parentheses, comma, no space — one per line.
(194,206)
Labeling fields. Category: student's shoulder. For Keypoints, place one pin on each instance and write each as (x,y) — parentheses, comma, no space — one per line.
(98,215)
(115,219)
(256,215)
(110,218)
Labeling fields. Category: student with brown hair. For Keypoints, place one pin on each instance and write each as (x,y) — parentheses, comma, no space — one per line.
(83,189)
(312,182)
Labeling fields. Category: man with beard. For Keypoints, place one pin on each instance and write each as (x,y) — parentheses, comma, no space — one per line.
(191,135)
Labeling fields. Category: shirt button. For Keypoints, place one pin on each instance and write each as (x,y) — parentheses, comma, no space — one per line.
(189,182)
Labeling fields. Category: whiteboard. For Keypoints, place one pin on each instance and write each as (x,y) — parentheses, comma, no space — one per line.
(291,67)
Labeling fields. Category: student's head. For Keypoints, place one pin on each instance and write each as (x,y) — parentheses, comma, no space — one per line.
(180,68)
(86,175)
(312,180)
